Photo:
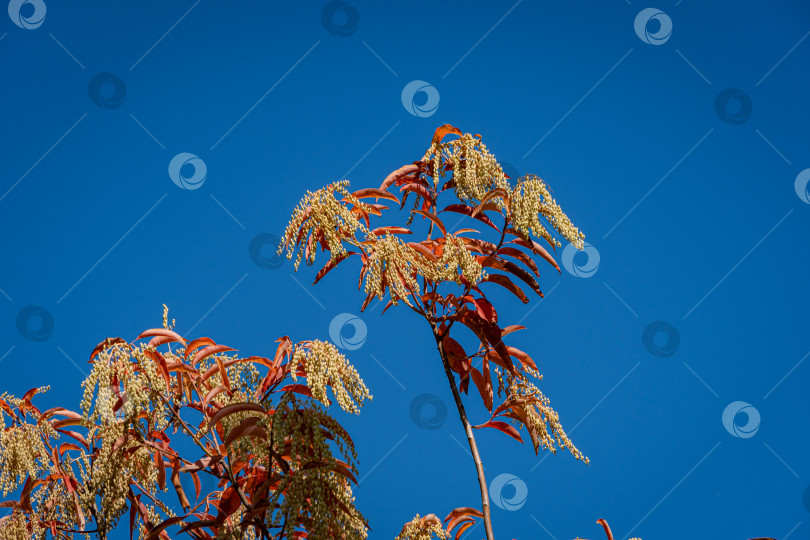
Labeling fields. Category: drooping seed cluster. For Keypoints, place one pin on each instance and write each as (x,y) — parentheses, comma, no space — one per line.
(114,380)
(529,200)
(315,496)
(420,529)
(326,366)
(22,452)
(14,527)
(320,212)
(541,416)
(397,265)
(111,471)
(475,170)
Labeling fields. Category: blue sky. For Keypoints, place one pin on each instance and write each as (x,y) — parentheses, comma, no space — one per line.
(677,145)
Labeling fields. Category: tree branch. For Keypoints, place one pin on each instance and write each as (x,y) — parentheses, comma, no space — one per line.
(479,466)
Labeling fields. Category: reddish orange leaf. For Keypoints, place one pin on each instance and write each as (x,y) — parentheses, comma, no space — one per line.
(399,173)
(509,429)
(208,351)
(374,192)
(443,131)
(196,344)
(162,332)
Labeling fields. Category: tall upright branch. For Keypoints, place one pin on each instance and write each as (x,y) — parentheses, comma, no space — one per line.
(479,466)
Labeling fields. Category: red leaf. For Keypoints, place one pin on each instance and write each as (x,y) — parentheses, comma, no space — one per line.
(246,427)
(109,342)
(537,249)
(443,131)
(208,351)
(509,429)
(229,502)
(213,393)
(434,219)
(523,275)
(468,210)
(485,310)
(155,533)
(483,388)
(298,389)
(507,283)
(234,408)
(379,231)
(161,362)
(196,344)
(374,192)
(331,264)
(399,173)
(522,257)
(162,332)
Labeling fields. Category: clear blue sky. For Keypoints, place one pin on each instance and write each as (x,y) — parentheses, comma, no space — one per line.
(687,192)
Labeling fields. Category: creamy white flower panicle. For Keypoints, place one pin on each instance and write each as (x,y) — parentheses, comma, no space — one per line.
(402,266)
(136,389)
(321,211)
(22,453)
(529,200)
(416,530)
(311,494)
(325,365)
(475,170)
(541,415)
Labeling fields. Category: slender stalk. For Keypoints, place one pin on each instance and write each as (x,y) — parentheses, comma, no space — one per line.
(479,466)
